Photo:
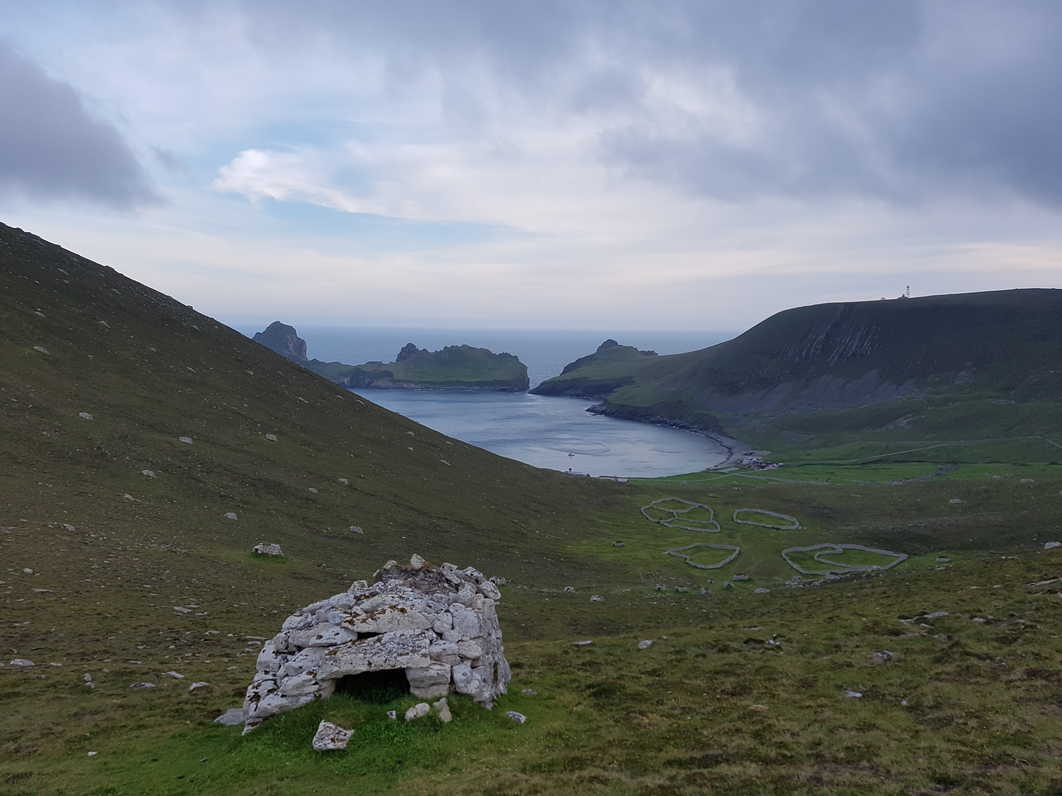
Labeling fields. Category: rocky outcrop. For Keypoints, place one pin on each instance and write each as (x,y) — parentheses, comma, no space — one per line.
(284,340)
(436,625)
(455,367)
(596,375)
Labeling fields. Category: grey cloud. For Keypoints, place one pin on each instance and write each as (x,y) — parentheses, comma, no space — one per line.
(899,101)
(52,148)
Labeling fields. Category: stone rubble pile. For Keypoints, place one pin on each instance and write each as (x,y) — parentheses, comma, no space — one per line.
(438,625)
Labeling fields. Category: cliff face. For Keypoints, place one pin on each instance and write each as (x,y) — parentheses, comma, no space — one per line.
(838,356)
(284,340)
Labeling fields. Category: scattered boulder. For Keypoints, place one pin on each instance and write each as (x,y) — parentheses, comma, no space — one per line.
(231,717)
(148,473)
(330,737)
(271,437)
(343,481)
(435,625)
(140,686)
(849,694)
(760,590)
(442,711)
(741,578)
(197,685)
(529,692)
(646,644)
(585,643)
(519,718)
(955,501)
(174,675)
(568,589)
(418,711)
(1052,545)
(21,662)
(881,656)
(267,549)
(68,527)
(356,529)
(86,415)
(185,440)
(596,598)
(87,679)
(392,715)
(231,515)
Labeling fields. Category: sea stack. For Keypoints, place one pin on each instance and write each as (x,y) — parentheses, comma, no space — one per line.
(284,340)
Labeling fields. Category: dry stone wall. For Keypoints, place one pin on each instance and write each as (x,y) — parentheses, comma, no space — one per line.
(438,625)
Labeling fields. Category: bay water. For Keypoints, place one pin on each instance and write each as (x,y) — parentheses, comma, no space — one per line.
(553,432)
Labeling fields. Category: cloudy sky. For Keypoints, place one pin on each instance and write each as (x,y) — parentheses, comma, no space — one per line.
(570,164)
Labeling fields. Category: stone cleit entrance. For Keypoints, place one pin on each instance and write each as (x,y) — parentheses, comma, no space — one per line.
(375,687)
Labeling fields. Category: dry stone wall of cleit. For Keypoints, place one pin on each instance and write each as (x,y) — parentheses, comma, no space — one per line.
(690,515)
(679,552)
(686,515)
(787,521)
(836,567)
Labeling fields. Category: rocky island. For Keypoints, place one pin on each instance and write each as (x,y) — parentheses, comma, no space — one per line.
(455,367)
(284,340)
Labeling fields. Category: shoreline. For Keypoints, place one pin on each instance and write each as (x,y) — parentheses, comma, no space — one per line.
(734,448)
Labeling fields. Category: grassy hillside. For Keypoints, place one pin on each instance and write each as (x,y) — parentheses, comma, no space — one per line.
(826,360)
(118,562)
(610,367)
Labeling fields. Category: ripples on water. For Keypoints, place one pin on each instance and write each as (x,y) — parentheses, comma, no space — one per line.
(553,432)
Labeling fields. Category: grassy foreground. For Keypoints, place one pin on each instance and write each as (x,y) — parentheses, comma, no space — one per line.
(740,692)
(753,700)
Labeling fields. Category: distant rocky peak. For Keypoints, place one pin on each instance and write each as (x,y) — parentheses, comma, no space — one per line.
(409,350)
(610,343)
(284,340)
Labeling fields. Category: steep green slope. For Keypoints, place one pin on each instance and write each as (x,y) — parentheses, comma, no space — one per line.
(834,357)
(81,338)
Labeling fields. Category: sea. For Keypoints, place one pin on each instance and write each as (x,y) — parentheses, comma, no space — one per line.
(552,432)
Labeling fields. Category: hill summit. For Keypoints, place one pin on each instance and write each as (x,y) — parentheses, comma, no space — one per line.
(836,357)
